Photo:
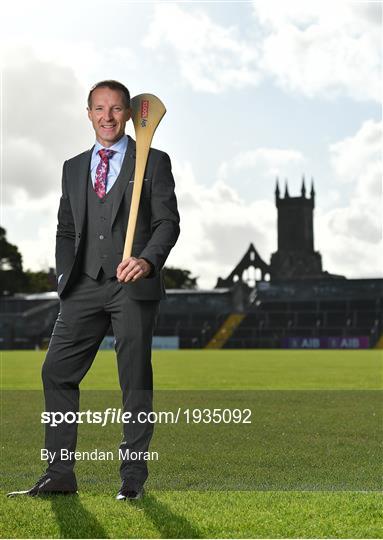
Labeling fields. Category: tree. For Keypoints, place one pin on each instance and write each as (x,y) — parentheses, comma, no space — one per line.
(38,282)
(12,278)
(177,278)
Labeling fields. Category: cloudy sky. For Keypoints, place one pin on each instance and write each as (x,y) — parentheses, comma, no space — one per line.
(253,90)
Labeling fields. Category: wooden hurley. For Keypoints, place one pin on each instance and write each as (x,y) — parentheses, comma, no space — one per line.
(147,112)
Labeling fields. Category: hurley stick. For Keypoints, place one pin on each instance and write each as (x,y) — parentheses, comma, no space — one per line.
(147,112)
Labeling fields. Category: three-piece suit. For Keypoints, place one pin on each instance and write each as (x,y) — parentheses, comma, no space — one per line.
(89,246)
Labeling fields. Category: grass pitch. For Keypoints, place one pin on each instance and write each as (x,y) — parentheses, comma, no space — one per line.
(310,468)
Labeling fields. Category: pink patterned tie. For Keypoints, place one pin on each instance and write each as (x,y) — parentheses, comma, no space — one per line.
(102,171)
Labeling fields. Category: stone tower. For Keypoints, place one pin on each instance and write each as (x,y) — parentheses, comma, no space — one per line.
(295,257)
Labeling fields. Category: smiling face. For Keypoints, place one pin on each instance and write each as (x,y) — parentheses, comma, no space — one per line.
(108,114)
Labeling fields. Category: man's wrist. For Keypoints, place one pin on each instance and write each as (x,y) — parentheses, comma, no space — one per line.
(151,272)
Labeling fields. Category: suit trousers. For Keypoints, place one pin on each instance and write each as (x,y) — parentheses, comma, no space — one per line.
(85,314)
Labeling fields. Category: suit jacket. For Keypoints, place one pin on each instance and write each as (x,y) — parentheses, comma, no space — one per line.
(157,226)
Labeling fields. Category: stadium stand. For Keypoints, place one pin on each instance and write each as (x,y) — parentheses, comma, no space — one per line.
(266,316)
(336,309)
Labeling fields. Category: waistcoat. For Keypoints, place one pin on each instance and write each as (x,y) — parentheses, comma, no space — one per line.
(100,252)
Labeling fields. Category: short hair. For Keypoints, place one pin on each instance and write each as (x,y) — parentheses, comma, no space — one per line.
(113,85)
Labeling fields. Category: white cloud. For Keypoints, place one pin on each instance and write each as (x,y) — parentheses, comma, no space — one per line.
(272,160)
(309,48)
(350,237)
(31,225)
(323,48)
(44,123)
(217,226)
(219,222)
(211,58)
(312,48)
(253,172)
(28,167)
(351,156)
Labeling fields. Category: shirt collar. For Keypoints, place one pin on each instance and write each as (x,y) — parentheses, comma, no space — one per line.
(120,146)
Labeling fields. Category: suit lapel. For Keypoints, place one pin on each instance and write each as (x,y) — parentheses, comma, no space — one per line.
(81,175)
(123,185)
(81,184)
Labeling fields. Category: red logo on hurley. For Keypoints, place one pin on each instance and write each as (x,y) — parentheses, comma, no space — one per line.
(144,108)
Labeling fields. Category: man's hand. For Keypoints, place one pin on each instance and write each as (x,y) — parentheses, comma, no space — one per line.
(132,269)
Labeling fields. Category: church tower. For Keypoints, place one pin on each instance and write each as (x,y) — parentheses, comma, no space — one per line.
(295,257)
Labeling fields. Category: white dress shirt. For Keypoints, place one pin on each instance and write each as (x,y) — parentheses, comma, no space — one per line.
(115,162)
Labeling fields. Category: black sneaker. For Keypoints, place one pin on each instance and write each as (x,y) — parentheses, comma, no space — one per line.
(48,484)
(127,491)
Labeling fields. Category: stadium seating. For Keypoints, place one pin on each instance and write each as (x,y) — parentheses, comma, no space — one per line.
(344,308)
(273,312)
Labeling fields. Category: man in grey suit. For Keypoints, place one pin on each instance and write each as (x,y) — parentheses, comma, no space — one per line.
(97,288)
